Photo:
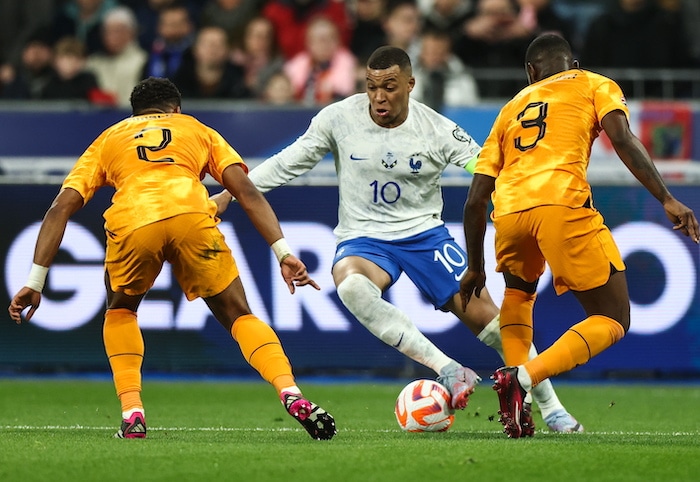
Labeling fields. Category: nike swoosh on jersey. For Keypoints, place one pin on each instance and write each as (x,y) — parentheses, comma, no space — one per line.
(353,157)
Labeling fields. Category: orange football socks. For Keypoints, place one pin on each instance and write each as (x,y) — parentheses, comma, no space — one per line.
(575,347)
(124,346)
(516,325)
(262,349)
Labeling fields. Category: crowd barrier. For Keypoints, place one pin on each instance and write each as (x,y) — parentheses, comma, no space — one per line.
(670,130)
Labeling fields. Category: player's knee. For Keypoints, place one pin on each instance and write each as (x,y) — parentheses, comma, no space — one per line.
(624,321)
(618,308)
(356,292)
(516,282)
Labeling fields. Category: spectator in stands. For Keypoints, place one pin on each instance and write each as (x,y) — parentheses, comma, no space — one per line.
(82,19)
(690,11)
(291,18)
(367,31)
(637,33)
(495,38)
(28,79)
(325,71)
(448,16)
(539,16)
(402,24)
(148,12)
(171,46)
(258,54)
(211,74)
(119,67)
(70,80)
(231,15)
(18,21)
(579,14)
(278,90)
(441,78)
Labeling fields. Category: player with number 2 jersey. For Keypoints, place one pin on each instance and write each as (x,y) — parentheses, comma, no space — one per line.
(116,158)
(161,213)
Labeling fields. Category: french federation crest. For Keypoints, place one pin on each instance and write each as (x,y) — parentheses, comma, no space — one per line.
(415,164)
(390,160)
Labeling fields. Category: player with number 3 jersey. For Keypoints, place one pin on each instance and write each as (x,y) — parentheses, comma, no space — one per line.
(533,166)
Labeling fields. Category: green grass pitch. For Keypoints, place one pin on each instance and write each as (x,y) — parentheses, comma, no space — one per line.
(61,430)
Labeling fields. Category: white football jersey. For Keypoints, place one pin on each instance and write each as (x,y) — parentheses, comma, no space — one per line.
(388,178)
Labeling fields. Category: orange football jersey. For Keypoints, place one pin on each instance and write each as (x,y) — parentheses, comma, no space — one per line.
(156,163)
(540,144)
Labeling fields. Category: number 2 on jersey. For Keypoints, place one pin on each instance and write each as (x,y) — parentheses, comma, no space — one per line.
(141,150)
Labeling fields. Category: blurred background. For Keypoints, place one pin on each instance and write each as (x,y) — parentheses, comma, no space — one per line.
(257,71)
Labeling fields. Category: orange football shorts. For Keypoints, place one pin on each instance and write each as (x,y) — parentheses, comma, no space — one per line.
(575,242)
(192,243)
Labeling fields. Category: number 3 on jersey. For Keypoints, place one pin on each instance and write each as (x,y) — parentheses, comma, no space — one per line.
(148,134)
(536,123)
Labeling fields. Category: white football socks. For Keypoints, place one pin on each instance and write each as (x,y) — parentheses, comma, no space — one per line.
(293,389)
(364,300)
(524,378)
(129,413)
(543,394)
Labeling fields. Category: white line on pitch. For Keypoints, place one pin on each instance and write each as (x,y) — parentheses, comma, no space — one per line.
(286,429)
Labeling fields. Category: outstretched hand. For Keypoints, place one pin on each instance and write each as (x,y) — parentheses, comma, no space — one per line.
(295,274)
(24,298)
(471,283)
(683,219)
(222,201)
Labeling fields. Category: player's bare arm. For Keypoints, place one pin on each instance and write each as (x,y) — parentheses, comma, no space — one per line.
(633,154)
(474,220)
(265,220)
(66,203)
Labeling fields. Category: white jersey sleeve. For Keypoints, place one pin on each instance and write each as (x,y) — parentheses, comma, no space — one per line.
(297,158)
(461,149)
(388,179)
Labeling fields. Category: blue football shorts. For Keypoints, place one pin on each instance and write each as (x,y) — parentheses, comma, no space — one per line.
(432,260)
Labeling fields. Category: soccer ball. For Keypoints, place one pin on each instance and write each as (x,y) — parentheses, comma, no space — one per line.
(424,406)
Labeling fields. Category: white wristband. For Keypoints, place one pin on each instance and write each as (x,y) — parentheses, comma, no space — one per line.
(37,277)
(281,249)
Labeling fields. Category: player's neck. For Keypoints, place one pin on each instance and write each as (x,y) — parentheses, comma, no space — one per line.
(152,111)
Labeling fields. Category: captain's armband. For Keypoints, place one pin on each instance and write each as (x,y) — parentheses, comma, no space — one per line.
(470,167)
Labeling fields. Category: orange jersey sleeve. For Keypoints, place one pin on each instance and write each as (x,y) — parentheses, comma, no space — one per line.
(156,164)
(540,144)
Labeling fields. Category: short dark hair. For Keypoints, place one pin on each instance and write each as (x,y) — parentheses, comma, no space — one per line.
(155,93)
(393,5)
(386,57)
(437,34)
(548,46)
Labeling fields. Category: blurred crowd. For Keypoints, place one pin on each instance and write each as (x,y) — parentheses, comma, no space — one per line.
(312,52)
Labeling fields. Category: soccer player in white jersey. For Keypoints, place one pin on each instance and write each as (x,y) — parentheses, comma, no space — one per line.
(390,152)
